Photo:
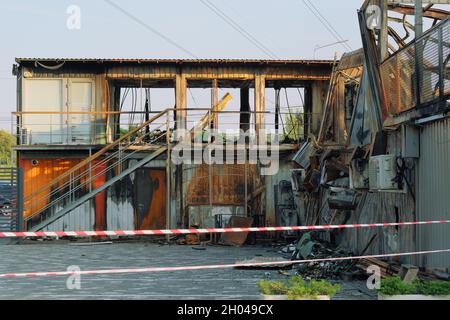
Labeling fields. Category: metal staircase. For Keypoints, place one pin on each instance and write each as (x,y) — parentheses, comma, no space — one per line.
(78,185)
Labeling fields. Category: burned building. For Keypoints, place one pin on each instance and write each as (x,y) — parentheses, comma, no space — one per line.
(369,144)
(382,151)
(90,164)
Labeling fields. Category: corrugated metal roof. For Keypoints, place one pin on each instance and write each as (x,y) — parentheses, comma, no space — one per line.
(352,59)
(173,61)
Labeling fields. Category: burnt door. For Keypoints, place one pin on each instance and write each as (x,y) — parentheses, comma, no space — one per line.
(150,198)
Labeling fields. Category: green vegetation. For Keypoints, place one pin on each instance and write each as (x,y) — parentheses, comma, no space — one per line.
(296,288)
(294,126)
(272,287)
(395,286)
(5,148)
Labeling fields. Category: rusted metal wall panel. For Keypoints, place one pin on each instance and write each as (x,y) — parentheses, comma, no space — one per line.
(228,184)
(121,206)
(149,196)
(238,73)
(203,217)
(351,60)
(38,173)
(432,189)
(115,209)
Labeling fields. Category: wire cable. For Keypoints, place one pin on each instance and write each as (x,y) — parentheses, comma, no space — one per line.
(146,26)
(316,12)
(228,20)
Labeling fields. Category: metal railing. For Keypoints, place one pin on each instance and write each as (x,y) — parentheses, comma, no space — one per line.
(102,128)
(90,174)
(399,75)
(80,180)
(10,199)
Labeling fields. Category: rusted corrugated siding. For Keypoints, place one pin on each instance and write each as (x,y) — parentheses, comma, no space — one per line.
(380,207)
(228,184)
(433,191)
(81,219)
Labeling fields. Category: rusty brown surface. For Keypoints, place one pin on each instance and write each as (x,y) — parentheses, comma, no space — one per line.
(150,199)
(38,173)
(397,74)
(228,185)
(100,199)
(237,238)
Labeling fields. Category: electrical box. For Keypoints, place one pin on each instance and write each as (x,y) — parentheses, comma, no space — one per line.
(383,172)
(342,199)
(410,142)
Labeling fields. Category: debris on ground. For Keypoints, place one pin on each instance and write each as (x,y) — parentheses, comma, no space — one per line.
(307,247)
(189,239)
(408,273)
(388,269)
(236,238)
(441,275)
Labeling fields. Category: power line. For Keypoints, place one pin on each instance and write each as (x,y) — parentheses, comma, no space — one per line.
(239,29)
(316,12)
(146,26)
(328,23)
(228,20)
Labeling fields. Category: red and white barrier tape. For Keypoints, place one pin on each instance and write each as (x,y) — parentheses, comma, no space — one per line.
(207,267)
(55,234)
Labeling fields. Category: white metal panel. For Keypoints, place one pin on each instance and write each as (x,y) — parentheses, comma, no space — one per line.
(120,212)
(80,219)
(81,99)
(43,95)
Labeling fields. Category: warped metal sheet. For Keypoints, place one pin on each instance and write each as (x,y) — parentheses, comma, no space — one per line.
(365,120)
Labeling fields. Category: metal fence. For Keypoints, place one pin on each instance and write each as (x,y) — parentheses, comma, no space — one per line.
(399,74)
(10,199)
(100,128)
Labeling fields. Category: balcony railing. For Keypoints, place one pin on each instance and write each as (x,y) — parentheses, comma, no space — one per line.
(100,128)
(399,74)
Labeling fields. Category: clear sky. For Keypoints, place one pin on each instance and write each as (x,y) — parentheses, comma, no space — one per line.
(38,29)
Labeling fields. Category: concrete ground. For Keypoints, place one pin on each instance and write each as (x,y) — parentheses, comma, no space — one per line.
(200,284)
